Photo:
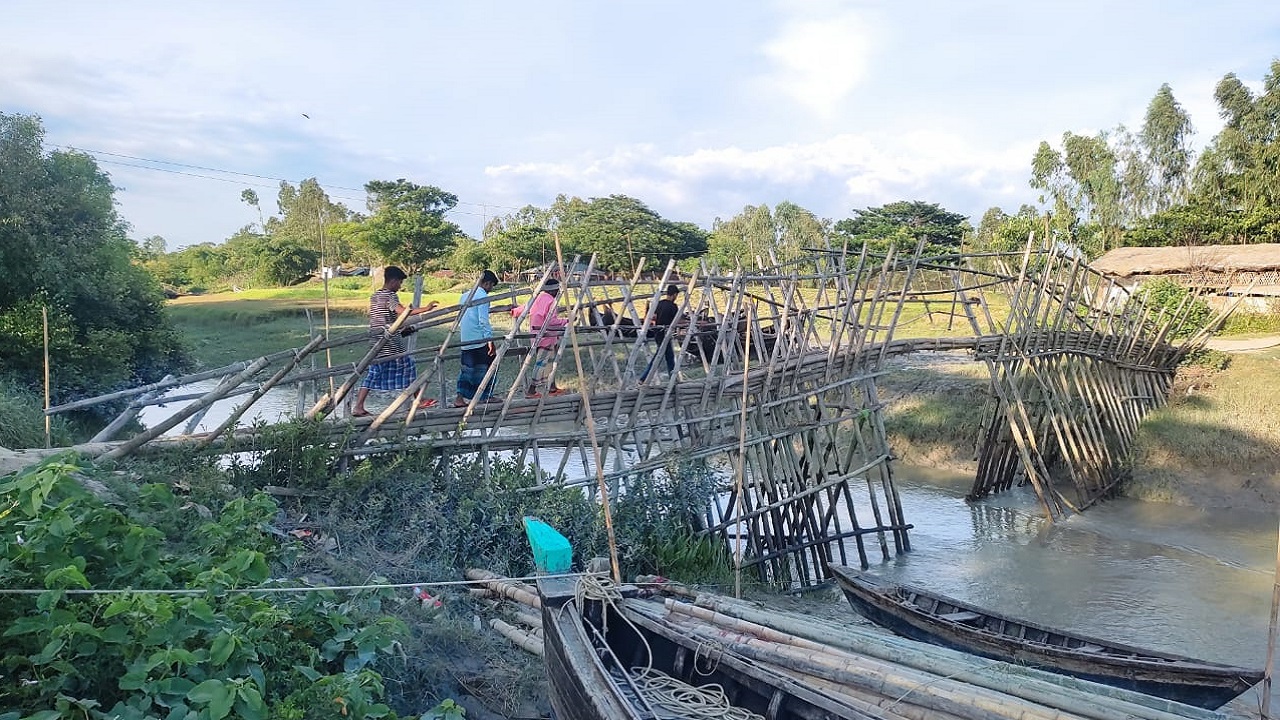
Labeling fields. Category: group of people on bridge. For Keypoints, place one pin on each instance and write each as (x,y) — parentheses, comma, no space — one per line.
(393,368)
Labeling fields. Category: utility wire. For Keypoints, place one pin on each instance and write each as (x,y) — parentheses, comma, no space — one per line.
(237,173)
(281,589)
(453,211)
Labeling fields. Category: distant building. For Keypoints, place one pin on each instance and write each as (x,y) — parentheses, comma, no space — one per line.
(1215,270)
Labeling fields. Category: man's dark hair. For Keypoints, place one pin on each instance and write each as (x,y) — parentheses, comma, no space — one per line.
(393,273)
(488,276)
(673,289)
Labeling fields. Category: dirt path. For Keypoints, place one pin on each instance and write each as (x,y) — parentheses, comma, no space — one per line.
(1243,344)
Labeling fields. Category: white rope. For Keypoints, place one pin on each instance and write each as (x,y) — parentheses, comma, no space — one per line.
(281,589)
(704,701)
(657,689)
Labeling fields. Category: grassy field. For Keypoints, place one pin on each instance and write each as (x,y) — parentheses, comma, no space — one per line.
(222,328)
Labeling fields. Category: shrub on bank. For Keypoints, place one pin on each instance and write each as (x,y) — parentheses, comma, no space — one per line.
(130,653)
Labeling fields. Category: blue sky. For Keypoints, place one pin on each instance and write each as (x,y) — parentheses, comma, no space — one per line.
(696,108)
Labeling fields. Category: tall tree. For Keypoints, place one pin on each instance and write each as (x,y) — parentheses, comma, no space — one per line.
(249,197)
(305,213)
(1166,134)
(756,231)
(621,230)
(407,226)
(903,224)
(1240,170)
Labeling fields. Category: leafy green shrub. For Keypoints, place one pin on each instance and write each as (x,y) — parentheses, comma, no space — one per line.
(137,654)
(656,523)
(1168,296)
(1208,358)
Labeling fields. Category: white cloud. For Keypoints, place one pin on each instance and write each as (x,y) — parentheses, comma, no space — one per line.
(819,57)
(829,177)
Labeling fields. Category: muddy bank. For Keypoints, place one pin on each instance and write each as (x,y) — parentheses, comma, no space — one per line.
(1214,446)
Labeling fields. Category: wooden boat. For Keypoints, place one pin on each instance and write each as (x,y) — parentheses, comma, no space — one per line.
(933,618)
(592,648)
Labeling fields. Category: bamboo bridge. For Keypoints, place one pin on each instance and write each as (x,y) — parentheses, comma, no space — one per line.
(776,373)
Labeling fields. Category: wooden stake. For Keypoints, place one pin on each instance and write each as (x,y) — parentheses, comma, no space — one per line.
(48,427)
(1271,638)
(740,480)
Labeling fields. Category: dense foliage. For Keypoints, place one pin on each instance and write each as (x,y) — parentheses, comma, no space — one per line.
(620,230)
(903,225)
(64,249)
(198,656)
(1121,188)
(750,237)
(1169,298)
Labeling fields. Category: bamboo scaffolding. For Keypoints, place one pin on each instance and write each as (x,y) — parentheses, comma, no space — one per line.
(775,367)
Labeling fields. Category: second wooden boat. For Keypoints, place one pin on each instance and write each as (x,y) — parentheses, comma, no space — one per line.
(929,617)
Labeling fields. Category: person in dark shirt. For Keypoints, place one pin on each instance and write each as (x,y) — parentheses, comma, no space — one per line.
(664,319)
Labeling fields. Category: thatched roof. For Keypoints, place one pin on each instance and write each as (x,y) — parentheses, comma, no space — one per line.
(1130,261)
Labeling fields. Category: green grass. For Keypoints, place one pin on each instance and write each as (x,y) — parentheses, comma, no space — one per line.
(1219,421)
(22,420)
(223,328)
(1242,323)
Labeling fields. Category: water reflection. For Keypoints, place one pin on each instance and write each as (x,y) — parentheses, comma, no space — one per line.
(1179,579)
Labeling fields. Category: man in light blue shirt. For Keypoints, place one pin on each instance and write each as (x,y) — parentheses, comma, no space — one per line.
(477,348)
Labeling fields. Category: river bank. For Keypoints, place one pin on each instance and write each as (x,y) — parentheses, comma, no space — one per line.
(1215,445)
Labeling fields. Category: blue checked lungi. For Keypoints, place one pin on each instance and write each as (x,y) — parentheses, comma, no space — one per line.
(394,374)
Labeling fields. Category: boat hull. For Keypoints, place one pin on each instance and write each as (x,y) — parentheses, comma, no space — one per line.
(582,688)
(1181,679)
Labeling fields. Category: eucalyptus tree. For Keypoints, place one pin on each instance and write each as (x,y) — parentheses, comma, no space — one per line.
(249,197)
(750,236)
(1240,170)
(1166,135)
(306,213)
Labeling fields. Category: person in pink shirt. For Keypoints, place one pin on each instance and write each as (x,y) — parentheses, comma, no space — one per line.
(543,313)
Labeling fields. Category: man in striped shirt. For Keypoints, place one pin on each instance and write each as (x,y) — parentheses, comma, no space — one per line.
(391,368)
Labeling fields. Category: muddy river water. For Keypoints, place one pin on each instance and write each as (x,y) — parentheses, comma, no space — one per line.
(1186,580)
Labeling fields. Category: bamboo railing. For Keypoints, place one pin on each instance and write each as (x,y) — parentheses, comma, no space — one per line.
(775,369)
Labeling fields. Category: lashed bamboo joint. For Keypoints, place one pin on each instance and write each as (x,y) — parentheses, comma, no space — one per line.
(1075,364)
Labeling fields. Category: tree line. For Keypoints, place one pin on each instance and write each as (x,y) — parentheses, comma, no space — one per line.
(1149,187)
(103,292)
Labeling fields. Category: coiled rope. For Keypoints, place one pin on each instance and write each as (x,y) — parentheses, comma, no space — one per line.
(657,689)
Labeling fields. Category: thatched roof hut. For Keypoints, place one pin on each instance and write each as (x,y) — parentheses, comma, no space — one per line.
(1224,269)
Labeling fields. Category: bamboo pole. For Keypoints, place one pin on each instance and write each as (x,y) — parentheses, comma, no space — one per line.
(209,399)
(502,587)
(590,420)
(48,427)
(261,391)
(1271,637)
(126,416)
(741,468)
(523,640)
